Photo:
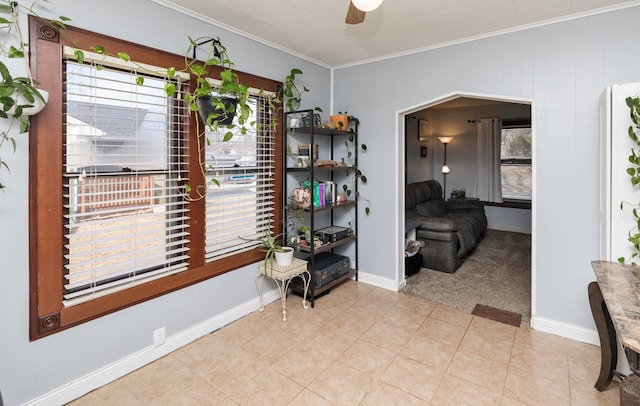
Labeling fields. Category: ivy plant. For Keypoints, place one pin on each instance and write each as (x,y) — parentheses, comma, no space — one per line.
(634,173)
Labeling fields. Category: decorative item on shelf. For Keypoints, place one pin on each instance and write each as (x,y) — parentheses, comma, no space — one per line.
(334,233)
(302,161)
(306,120)
(339,121)
(352,120)
(330,192)
(302,197)
(304,150)
(445,167)
(293,123)
(306,237)
(325,163)
(305,232)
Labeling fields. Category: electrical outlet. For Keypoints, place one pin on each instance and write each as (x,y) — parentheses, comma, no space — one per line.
(159,337)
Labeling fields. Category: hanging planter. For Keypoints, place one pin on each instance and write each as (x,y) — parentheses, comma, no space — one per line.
(215,108)
(19,96)
(28,107)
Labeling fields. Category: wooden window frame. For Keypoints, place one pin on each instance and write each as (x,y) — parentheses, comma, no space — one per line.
(46,229)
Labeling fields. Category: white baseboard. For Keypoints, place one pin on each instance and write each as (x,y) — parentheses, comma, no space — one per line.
(147,355)
(565,330)
(384,283)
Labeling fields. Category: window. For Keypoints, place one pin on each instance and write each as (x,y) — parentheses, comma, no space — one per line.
(123,159)
(515,160)
(242,204)
(109,161)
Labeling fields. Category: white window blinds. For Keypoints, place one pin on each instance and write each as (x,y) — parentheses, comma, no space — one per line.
(124,156)
(242,206)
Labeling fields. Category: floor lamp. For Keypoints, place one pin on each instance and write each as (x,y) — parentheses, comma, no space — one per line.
(445,167)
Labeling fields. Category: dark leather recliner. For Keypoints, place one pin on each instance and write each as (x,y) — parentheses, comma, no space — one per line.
(450,229)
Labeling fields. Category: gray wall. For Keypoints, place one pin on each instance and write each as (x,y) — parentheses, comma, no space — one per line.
(562,68)
(121,340)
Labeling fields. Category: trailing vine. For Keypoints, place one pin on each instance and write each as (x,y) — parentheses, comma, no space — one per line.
(634,173)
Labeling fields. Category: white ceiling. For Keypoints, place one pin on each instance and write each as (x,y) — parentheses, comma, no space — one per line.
(315,29)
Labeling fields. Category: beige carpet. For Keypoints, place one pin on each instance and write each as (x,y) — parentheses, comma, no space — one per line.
(496,274)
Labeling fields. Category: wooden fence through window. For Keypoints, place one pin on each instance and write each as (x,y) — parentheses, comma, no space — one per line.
(115,191)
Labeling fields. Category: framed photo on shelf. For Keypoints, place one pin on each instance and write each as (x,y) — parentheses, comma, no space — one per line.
(423,130)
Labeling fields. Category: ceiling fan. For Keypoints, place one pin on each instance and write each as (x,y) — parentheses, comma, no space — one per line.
(358,9)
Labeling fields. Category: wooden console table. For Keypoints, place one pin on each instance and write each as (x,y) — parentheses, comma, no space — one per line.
(615,305)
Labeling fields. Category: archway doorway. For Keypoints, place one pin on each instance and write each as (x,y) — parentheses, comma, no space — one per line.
(454,116)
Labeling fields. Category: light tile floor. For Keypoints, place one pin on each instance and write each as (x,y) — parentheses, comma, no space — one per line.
(363,345)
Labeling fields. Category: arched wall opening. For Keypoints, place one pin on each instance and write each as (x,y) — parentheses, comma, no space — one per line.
(421,157)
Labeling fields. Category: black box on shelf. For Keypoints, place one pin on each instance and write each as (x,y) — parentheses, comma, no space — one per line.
(333,233)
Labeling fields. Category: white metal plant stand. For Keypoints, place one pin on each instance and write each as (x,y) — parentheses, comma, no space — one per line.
(283,275)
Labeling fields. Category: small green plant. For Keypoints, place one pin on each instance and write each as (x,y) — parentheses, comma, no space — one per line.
(295,213)
(305,231)
(292,95)
(634,173)
(270,245)
(349,145)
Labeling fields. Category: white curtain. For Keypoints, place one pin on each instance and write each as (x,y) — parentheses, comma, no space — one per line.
(488,177)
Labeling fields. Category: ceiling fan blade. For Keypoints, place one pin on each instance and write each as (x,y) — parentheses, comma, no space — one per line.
(354,15)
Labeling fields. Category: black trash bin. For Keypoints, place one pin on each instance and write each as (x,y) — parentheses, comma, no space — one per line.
(412,264)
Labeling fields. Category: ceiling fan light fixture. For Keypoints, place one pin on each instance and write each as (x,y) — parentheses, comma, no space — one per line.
(366,5)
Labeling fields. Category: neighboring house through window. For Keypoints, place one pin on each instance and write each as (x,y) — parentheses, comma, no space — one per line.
(515,160)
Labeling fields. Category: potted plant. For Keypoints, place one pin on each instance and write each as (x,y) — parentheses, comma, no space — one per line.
(305,232)
(339,121)
(19,96)
(291,98)
(274,250)
(217,105)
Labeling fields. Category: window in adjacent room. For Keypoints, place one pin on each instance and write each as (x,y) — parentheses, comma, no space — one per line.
(515,160)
